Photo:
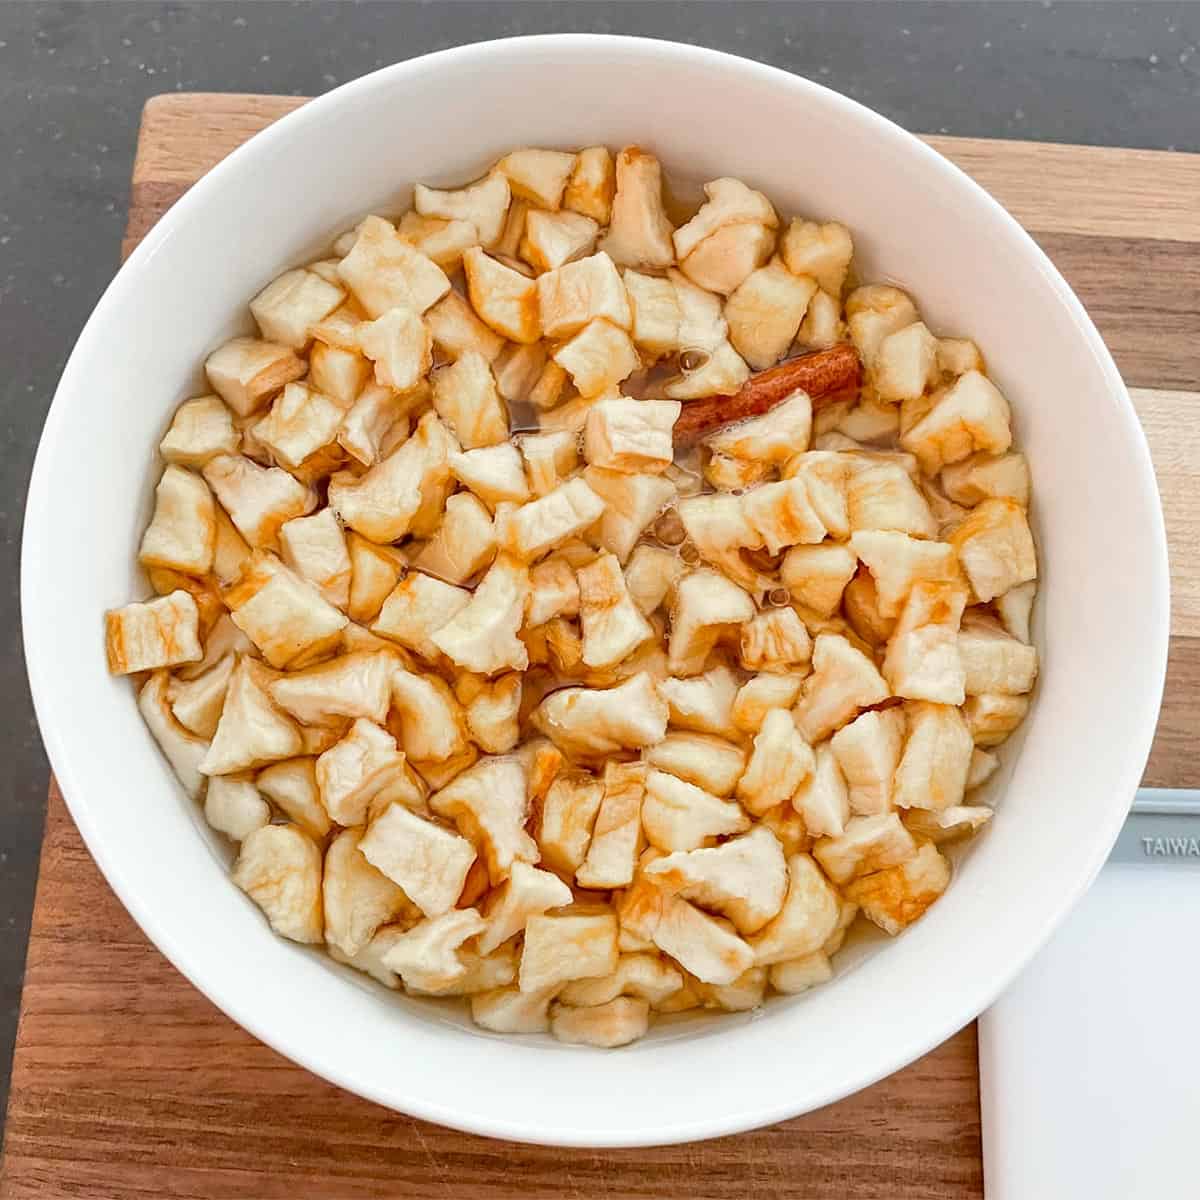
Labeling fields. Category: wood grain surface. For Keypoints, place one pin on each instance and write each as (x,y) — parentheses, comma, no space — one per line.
(128,1083)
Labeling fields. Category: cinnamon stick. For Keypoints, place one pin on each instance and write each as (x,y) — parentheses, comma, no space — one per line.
(826,375)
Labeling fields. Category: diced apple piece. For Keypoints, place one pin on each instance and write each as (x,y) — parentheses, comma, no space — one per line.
(707,605)
(183,531)
(577,293)
(428,956)
(947,824)
(809,915)
(745,879)
(376,411)
(897,896)
(505,300)
(796,975)
(764,313)
(353,685)
(375,570)
(159,633)
(466,398)
(291,785)
(776,641)
(488,804)
(868,753)
(482,636)
(656,313)
(549,460)
(881,495)
(399,344)
(440,240)
(843,681)
(484,204)
(573,945)
(922,660)
(200,429)
(771,439)
(432,725)
(617,832)
(258,499)
(991,718)
(996,548)
(527,893)
(906,364)
(650,575)
(678,815)
(430,863)
(760,694)
(197,703)
(780,761)
(957,356)
(822,326)
(632,502)
(1015,607)
(279,868)
(817,575)
(729,202)
(645,976)
(823,799)
(355,771)
(391,499)
(235,807)
(607,1026)
(358,898)
(594,722)
(992,660)
(315,548)
(554,239)
(567,819)
(897,562)
(710,763)
(631,435)
(246,372)
(982,475)
(874,312)
(184,751)
(455,329)
(867,844)
(590,188)
(536,528)
(600,356)
(384,271)
(539,176)
(613,627)
(553,592)
(494,473)
(724,260)
(509,1010)
(704,703)
(820,251)
(465,541)
(288,307)
(283,614)
(639,233)
(970,415)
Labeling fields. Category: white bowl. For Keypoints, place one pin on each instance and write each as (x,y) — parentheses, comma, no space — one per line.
(1102,626)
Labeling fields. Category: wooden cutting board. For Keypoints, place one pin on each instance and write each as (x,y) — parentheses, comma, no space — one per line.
(128,1083)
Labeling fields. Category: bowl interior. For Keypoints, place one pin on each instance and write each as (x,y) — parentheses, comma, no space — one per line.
(1101,626)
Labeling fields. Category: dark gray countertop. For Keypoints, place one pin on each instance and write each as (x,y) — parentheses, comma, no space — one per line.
(74,76)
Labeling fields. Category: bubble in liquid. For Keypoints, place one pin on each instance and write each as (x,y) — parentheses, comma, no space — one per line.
(689,554)
(693,360)
(779,596)
(669,529)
